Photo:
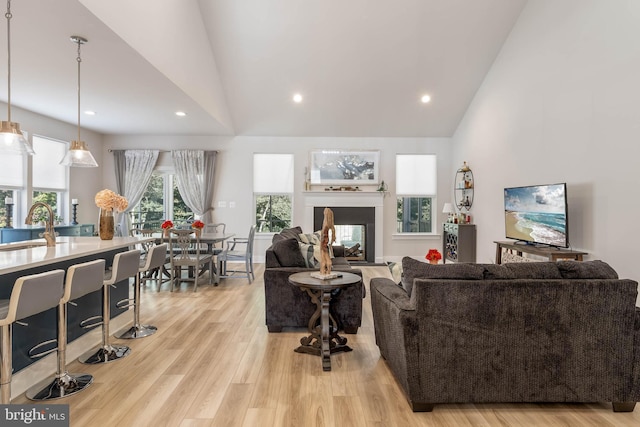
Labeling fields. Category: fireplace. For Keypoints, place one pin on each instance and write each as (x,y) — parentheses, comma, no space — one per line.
(341,202)
(350,220)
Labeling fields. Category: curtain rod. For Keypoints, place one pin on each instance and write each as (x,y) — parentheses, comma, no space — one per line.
(161,151)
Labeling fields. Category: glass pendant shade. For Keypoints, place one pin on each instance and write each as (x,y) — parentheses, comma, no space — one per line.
(12,141)
(79,156)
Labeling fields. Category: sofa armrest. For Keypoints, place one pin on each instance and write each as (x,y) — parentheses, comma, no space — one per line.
(395,325)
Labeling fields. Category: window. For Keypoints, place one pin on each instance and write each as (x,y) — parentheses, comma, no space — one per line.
(161,201)
(49,176)
(11,182)
(416,190)
(273,191)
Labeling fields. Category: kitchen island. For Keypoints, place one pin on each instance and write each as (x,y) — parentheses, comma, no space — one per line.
(32,256)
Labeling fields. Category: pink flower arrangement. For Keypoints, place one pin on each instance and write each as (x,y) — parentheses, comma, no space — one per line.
(110,200)
(197,224)
(433,255)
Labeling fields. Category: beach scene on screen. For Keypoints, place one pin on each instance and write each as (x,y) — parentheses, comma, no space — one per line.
(536,214)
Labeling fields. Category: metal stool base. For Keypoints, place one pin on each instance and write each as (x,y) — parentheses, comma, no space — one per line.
(59,387)
(105,354)
(138,331)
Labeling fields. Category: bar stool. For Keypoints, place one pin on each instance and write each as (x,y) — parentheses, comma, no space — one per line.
(81,280)
(156,258)
(30,295)
(125,265)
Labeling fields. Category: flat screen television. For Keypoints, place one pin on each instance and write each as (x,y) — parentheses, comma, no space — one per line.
(537,214)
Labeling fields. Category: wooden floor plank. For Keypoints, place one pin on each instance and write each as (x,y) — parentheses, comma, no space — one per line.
(213,363)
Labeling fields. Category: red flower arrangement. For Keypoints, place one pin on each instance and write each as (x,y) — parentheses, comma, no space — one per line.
(197,224)
(433,256)
(167,224)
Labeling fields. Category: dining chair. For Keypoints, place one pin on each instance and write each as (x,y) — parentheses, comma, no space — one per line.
(145,248)
(184,251)
(239,249)
(219,227)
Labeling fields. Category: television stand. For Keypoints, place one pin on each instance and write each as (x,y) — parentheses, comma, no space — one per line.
(550,252)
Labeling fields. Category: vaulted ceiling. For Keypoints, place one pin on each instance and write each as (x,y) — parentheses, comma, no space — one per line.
(234,65)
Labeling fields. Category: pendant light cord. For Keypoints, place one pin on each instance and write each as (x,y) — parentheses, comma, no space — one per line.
(79,60)
(8,16)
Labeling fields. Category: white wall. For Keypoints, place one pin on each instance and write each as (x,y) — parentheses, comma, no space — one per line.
(84,183)
(560,104)
(234,180)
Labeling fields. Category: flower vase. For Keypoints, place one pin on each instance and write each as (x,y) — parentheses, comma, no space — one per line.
(433,261)
(106,224)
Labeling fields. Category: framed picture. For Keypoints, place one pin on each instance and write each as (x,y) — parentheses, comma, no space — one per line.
(335,167)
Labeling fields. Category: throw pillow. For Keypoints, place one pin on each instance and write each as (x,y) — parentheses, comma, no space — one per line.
(288,253)
(413,269)
(309,254)
(586,270)
(287,233)
(395,268)
(534,270)
(311,238)
(310,245)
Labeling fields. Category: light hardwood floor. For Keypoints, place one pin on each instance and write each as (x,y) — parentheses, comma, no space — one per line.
(213,363)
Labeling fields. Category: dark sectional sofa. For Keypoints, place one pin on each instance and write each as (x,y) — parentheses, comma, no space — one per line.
(527,332)
(286,305)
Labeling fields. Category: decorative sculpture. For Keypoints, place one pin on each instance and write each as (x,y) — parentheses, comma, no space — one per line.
(325,247)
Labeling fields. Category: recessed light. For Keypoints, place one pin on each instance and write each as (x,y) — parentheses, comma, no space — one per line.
(425,99)
(180,113)
(90,113)
(297,98)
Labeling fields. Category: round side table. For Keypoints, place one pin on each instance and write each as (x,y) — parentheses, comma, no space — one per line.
(323,329)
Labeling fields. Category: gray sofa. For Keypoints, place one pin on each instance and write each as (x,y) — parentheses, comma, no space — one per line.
(286,306)
(527,332)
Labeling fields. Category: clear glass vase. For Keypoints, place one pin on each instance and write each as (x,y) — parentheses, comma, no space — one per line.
(106,224)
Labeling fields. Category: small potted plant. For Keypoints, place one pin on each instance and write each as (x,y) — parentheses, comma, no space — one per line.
(198,226)
(166,225)
(433,256)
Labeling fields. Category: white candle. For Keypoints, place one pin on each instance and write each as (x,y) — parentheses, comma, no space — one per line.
(74,201)
(8,200)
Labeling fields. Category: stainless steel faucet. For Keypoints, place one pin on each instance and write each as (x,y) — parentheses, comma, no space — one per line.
(49,232)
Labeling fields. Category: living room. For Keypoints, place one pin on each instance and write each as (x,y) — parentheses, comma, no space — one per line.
(554,107)
(558,104)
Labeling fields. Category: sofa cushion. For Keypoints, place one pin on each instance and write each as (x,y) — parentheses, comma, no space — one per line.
(497,272)
(586,270)
(413,269)
(288,253)
(534,270)
(287,233)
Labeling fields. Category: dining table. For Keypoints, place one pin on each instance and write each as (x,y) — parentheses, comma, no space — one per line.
(209,239)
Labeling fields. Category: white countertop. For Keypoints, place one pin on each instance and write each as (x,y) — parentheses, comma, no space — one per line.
(66,248)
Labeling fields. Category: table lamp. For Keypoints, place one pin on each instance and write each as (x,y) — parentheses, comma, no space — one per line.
(448,209)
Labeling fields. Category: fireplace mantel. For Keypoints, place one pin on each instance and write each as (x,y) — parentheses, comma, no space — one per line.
(323,199)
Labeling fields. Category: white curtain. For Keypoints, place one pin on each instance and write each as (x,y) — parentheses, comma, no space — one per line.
(133,174)
(194,170)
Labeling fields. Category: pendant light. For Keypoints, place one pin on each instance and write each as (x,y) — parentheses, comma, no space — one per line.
(79,155)
(12,141)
